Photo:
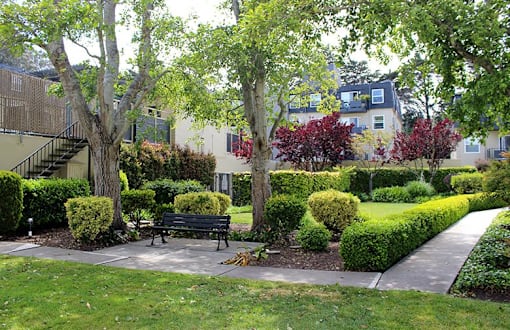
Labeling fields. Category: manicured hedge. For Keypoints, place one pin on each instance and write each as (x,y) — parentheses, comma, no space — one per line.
(297,183)
(11,201)
(487,269)
(44,200)
(388,177)
(375,245)
(303,184)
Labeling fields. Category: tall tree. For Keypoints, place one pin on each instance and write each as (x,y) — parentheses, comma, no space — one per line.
(266,51)
(47,24)
(466,42)
(352,72)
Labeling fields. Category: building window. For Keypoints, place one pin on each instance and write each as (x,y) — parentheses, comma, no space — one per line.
(315,100)
(377,96)
(471,146)
(295,102)
(16,83)
(232,142)
(378,122)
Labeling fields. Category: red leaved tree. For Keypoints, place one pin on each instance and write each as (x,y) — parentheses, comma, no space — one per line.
(243,148)
(429,143)
(316,145)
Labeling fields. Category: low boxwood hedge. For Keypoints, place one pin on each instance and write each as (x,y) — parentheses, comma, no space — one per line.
(375,245)
(487,269)
(297,183)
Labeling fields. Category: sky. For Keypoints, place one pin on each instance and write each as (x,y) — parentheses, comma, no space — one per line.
(205,11)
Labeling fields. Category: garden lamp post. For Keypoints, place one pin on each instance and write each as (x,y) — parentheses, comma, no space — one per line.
(30,221)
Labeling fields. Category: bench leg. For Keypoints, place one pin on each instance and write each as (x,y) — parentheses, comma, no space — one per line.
(163,237)
(219,240)
(153,235)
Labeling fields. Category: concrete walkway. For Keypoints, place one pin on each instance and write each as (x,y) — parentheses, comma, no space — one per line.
(433,267)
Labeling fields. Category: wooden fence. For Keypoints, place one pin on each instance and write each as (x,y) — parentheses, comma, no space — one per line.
(26,107)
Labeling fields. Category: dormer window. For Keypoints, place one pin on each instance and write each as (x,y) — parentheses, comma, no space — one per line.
(377,96)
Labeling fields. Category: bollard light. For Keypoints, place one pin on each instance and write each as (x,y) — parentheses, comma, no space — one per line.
(30,221)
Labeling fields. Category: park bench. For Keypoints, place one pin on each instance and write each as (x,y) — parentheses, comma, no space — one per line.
(218,224)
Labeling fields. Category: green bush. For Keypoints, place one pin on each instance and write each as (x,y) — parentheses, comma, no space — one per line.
(167,189)
(298,183)
(467,183)
(89,217)
(399,176)
(487,269)
(283,213)
(497,178)
(418,189)
(302,184)
(335,209)
(124,184)
(314,238)
(163,208)
(241,189)
(225,201)
(197,203)
(134,202)
(44,200)
(485,201)
(375,245)
(391,195)
(148,162)
(11,201)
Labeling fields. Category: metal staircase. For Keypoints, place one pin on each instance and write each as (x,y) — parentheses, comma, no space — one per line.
(53,155)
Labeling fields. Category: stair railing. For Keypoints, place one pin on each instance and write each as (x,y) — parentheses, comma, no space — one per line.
(51,152)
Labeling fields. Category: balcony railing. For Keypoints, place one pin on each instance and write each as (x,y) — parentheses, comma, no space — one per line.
(354,106)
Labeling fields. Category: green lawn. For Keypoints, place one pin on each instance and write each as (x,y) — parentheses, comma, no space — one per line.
(380,210)
(374,210)
(44,294)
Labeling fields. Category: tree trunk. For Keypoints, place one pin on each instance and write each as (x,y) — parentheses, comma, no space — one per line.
(106,176)
(371,183)
(255,111)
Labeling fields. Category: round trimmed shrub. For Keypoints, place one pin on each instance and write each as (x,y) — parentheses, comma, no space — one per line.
(197,203)
(11,201)
(135,200)
(225,201)
(283,213)
(314,238)
(335,209)
(419,189)
(89,217)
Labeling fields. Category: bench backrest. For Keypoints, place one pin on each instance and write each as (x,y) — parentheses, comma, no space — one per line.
(196,221)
